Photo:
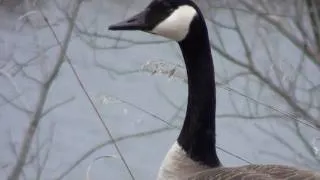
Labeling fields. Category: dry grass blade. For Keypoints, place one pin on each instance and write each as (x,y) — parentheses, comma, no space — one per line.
(96,159)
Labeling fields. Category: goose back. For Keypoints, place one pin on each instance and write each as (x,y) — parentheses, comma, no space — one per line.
(256,172)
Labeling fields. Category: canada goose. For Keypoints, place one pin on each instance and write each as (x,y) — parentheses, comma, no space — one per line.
(193,155)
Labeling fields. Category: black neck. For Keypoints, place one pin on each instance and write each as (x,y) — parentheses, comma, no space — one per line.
(197,136)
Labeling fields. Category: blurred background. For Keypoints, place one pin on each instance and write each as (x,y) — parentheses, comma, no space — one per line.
(67,83)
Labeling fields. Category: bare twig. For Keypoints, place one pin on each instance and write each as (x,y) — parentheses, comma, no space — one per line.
(36,117)
(42,164)
(17,89)
(87,94)
(314,14)
(11,102)
(286,33)
(52,108)
(108,142)
(96,159)
(250,117)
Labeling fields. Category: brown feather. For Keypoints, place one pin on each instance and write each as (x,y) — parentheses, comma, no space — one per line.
(256,172)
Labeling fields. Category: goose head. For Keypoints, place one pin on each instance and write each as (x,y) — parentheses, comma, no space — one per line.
(168,18)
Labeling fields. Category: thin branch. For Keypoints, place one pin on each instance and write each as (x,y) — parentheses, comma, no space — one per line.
(242,39)
(286,115)
(283,157)
(219,24)
(116,71)
(270,84)
(246,117)
(11,102)
(261,13)
(13,149)
(293,39)
(41,165)
(88,96)
(163,68)
(274,68)
(116,38)
(314,15)
(281,141)
(16,87)
(235,76)
(168,99)
(35,120)
(26,75)
(52,108)
(307,145)
(108,142)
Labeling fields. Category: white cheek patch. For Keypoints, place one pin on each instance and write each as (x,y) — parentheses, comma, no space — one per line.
(176,26)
